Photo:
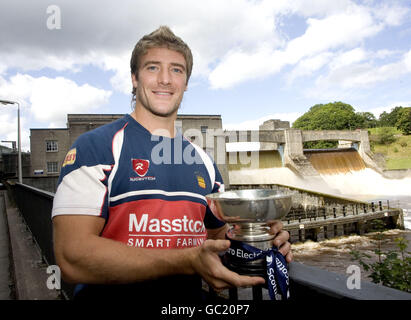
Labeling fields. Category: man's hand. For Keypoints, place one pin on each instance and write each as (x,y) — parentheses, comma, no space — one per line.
(207,263)
(281,239)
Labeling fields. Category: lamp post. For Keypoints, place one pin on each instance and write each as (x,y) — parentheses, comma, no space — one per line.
(5,102)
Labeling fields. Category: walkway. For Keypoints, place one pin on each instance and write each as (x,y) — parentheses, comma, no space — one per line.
(30,276)
(5,278)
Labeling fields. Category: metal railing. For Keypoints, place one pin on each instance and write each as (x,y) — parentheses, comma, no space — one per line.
(306,282)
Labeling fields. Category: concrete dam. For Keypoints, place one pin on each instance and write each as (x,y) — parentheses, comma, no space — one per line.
(281,159)
(285,148)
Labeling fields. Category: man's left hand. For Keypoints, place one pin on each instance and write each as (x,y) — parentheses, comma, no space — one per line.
(281,239)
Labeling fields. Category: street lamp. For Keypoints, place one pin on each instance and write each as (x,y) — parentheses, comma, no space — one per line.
(5,102)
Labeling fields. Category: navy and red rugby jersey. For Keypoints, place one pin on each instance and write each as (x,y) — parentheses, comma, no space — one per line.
(150,189)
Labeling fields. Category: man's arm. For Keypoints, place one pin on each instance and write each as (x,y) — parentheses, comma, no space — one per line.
(85,257)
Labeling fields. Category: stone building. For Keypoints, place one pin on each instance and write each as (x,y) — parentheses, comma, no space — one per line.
(275,124)
(50,146)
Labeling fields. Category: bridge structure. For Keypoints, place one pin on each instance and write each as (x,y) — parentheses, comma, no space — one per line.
(289,143)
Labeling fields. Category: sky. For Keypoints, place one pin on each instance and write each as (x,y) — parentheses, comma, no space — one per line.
(253,60)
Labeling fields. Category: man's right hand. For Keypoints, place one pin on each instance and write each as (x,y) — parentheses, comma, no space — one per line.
(207,263)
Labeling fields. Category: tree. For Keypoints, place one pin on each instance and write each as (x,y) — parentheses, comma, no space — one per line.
(330,116)
(404,121)
(389,119)
(366,120)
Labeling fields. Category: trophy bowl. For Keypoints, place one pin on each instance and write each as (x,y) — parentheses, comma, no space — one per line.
(249,212)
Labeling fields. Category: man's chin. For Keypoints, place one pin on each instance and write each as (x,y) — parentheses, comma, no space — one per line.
(162,113)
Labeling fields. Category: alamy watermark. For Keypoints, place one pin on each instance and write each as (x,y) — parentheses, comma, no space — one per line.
(54,280)
(354,280)
(212,141)
(54,17)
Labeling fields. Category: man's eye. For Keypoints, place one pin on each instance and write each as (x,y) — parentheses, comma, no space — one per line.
(177,70)
(152,68)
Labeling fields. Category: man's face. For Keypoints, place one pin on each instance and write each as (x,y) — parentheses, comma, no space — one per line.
(161,81)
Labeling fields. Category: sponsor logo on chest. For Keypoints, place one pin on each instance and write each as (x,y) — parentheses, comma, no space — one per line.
(141,166)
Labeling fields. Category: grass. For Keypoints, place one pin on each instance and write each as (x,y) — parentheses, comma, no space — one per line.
(397,154)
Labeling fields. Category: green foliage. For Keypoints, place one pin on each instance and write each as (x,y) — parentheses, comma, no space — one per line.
(404,121)
(389,119)
(330,116)
(323,144)
(385,135)
(393,268)
(366,120)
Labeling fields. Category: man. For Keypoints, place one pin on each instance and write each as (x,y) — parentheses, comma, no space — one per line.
(128,227)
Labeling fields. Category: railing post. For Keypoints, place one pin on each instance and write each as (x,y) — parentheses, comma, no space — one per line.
(233,294)
(257,293)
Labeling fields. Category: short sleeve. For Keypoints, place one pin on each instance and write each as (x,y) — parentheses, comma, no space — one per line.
(82,187)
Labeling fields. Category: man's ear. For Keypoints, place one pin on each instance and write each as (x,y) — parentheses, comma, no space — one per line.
(134,80)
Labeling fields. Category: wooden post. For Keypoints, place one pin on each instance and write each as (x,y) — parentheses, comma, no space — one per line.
(301,234)
(359,228)
(326,232)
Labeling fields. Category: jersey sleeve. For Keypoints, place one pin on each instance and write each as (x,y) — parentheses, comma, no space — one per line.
(210,220)
(82,187)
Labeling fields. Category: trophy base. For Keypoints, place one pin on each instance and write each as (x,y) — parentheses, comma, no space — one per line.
(253,234)
(256,268)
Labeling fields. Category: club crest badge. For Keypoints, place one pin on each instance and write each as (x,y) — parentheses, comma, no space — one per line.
(70,157)
(201,182)
(140,166)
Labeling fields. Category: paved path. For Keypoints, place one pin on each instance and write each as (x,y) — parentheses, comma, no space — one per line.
(5,280)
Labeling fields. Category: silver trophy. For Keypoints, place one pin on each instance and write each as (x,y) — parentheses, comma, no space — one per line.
(249,212)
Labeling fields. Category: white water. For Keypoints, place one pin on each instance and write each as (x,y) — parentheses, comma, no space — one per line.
(368,182)
(365,184)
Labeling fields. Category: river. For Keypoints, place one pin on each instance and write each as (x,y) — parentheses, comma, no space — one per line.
(334,254)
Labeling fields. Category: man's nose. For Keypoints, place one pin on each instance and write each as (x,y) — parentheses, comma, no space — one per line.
(164,77)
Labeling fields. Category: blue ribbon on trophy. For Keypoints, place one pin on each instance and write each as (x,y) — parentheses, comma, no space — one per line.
(277,269)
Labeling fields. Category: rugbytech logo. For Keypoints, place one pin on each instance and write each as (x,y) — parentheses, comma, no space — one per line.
(140,166)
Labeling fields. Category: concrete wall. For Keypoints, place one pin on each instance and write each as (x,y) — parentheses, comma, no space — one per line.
(315,135)
(77,124)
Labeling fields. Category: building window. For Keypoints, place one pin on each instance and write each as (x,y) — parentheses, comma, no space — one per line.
(204,129)
(51,146)
(52,167)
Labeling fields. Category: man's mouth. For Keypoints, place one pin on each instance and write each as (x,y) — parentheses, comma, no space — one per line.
(163,93)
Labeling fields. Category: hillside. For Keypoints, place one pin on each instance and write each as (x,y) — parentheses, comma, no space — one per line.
(391,148)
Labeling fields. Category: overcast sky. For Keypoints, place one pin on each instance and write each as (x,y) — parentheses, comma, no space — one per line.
(253,60)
